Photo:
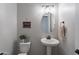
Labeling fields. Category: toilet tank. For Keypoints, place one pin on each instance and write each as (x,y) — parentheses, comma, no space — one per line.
(24,47)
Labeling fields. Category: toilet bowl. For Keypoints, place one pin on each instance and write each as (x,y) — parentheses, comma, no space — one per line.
(24,48)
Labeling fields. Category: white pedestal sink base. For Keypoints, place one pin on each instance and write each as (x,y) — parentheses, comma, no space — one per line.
(49,44)
(49,51)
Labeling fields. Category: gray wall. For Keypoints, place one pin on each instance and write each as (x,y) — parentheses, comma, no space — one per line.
(33,13)
(77,27)
(8,27)
(67,13)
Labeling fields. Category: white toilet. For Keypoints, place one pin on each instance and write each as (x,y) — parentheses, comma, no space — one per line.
(24,48)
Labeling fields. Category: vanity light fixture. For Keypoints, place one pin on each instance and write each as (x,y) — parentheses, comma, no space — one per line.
(48,8)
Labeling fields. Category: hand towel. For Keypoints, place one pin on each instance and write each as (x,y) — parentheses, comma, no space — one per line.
(61,30)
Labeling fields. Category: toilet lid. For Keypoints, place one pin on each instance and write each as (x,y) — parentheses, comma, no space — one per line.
(22,54)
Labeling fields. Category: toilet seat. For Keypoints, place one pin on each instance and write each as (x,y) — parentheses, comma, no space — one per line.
(22,54)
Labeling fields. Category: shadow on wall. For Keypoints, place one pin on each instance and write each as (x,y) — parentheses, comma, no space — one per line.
(16,47)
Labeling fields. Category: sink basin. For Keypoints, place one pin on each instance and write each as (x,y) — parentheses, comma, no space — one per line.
(49,42)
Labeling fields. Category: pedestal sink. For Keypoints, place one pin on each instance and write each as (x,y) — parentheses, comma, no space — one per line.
(49,43)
